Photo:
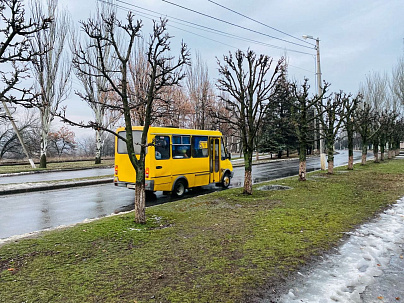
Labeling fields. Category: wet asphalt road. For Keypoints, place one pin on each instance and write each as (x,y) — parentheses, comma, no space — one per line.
(26,213)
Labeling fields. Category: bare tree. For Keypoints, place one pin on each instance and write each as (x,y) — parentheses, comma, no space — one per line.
(364,118)
(15,55)
(200,92)
(51,67)
(27,126)
(388,128)
(164,72)
(397,84)
(350,106)
(62,142)
(303,117)
(250,86)
(398,134)
(15,52)
(375,91)
(331,121)
(96,92)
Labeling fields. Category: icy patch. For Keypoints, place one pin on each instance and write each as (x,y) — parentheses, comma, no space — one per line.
(273,187)
(343,277)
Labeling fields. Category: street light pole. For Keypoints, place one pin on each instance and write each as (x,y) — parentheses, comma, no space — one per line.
(320,93)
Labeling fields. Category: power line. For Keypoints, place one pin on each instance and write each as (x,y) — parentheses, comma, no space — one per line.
(236,25)
(147,16)
(198,26)
(259,22)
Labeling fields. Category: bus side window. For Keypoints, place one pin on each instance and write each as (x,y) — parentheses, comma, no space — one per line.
(199,146)
(122,149)
(181,147)
(162,147)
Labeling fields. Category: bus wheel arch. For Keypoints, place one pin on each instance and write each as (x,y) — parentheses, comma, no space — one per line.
(179,187)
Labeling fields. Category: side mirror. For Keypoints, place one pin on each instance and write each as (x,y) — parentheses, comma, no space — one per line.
(228,156)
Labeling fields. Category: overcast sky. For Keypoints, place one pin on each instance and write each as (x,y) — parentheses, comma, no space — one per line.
(356,37)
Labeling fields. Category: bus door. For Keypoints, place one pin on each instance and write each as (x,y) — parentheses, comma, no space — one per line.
(162,163)
(214,161)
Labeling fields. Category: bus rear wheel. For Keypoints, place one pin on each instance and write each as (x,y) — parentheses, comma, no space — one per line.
(179,189)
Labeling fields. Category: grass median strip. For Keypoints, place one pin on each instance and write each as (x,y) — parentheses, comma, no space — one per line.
(221,247)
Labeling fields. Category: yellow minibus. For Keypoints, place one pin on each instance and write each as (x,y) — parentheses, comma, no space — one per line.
(176,159)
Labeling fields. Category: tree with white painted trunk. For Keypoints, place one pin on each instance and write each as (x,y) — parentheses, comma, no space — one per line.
(96,93)
(162,72)
(303,116)
(350,106)
(364,118)
(331,120)
(249,83)
(16,33)
(51,67)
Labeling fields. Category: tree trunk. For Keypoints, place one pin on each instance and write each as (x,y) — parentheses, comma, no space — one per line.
(364,153)
(302,162)
(376,151)
(330,167)
(42,163)
(376,155)
(98,145)
(350,162)
(247,182)
(382,153)
(302,170)
(140,203)
(330,156)
(350,149)
(248,156)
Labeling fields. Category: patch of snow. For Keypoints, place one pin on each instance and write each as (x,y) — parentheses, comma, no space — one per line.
(344,276)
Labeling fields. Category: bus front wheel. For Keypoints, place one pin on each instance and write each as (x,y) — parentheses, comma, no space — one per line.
(226,181)
(179,188)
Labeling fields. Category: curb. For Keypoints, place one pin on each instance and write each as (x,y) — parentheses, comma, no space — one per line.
(268,160)
(33,187)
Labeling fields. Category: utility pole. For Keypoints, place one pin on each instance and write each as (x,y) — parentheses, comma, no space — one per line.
(7,112)
(320,93)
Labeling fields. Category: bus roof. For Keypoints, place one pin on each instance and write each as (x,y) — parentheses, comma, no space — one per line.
(154,130)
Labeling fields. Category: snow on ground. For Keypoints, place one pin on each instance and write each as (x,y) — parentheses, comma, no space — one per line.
(368,267)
